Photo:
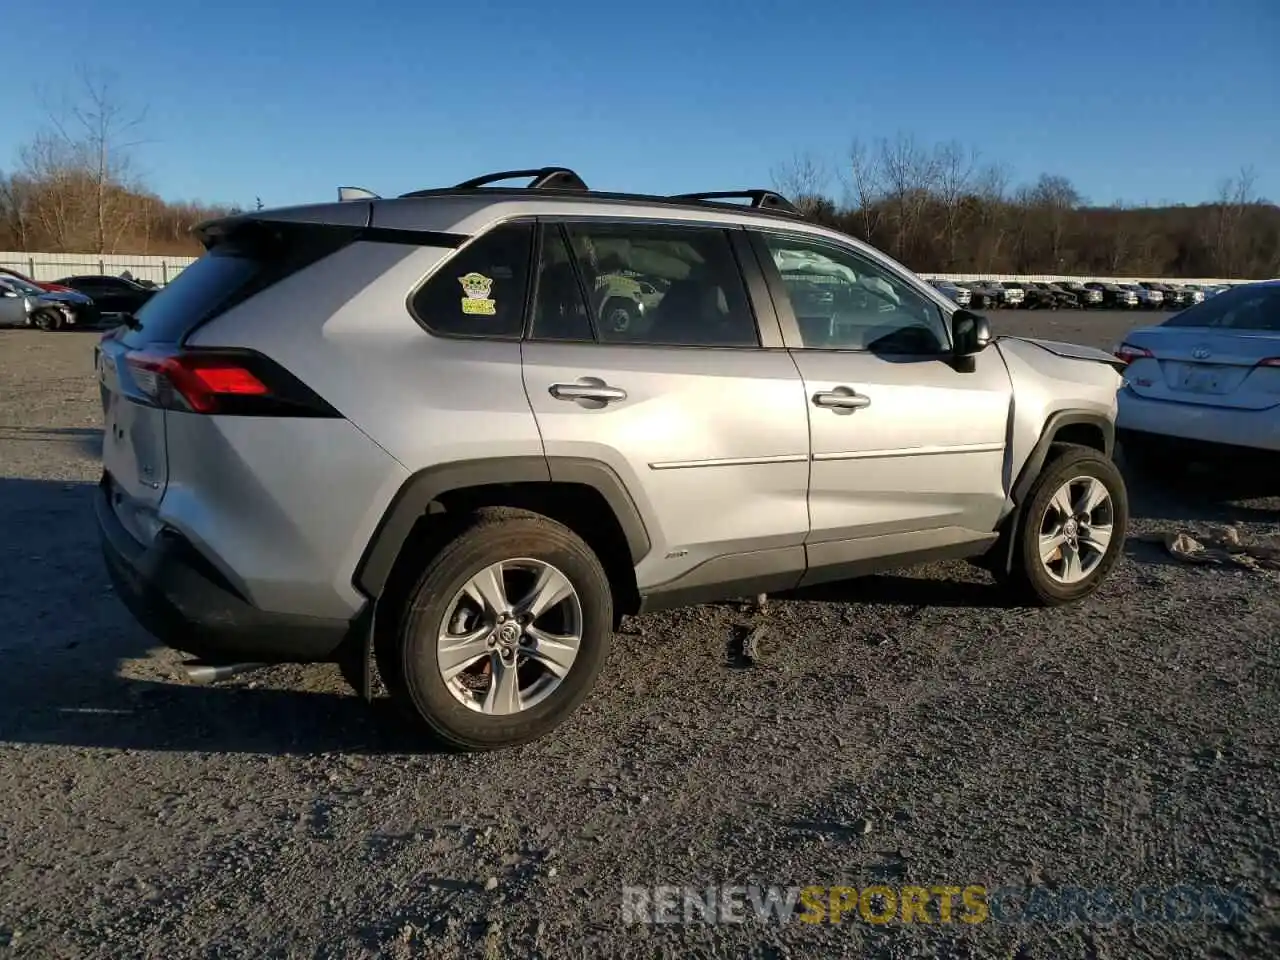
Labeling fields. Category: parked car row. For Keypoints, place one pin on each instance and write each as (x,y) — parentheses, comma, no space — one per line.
(83,301)
(1074,294)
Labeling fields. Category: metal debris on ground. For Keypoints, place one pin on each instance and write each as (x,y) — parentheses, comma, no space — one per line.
(751,645)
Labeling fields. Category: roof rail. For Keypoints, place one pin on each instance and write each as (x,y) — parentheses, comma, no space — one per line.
(558,178)
(760,199)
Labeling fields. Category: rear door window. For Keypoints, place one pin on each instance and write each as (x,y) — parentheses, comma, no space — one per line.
(662,285)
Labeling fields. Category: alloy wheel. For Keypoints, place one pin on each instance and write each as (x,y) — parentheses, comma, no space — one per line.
(1075,530)
(510,636)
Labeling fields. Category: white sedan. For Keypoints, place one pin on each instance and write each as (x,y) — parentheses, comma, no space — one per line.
(1208,376)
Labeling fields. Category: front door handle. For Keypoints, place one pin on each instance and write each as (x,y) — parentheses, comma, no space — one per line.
(841,398)
(591,389)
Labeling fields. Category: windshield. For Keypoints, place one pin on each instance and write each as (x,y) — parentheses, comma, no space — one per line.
(30,289)
(1242,308)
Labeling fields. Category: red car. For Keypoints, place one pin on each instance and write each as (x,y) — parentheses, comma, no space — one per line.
(51,287)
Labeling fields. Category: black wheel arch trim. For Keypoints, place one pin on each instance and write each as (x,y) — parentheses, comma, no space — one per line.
(1002,552)
(411,503)
(1040,452)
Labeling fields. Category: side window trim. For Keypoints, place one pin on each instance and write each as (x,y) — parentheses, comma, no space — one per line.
(754,279)
(583,291)
(545,227)
(531,281)
(782,300)
(768,323)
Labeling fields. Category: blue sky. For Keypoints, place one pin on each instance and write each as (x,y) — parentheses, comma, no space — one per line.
(1133,100)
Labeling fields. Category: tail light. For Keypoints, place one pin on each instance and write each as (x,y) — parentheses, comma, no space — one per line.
(225,382)
(1129,353)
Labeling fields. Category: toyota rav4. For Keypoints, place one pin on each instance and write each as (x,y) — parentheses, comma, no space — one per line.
(401,433)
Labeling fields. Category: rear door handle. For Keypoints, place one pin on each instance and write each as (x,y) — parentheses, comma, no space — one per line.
(841,398)
(587,388)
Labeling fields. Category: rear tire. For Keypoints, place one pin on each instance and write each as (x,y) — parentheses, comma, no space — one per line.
(1072,530)
(452,617)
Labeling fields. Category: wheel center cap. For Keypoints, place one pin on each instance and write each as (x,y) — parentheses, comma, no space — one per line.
(508,633)
(1070,528)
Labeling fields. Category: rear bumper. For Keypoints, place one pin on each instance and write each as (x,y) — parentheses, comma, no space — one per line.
(1249,429)
(184,603)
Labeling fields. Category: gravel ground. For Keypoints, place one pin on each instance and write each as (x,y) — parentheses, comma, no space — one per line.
(901,730)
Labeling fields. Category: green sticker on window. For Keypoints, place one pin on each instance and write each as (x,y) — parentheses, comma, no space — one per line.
(476,302)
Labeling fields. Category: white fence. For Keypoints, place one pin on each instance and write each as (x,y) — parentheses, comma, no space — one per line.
(1058,277)
(52,266)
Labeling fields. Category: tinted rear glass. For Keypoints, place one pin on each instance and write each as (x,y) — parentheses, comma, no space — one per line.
(192,295)
(1242,308)
(255,256)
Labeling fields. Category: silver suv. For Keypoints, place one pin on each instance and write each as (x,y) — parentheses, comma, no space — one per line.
(402,432)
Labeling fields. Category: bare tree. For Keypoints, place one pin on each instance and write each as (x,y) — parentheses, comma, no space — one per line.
(804,180)
(909,174)
(1119,239)
(1235,194)
(954,166)
(864,188)
(87,151)
(56,207)
(15,209)
(991,187)
(1055,199)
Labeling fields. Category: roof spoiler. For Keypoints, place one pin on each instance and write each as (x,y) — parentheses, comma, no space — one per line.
(356,193)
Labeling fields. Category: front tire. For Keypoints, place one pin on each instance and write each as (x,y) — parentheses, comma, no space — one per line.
(47,320)
(504,634)
(1072,530)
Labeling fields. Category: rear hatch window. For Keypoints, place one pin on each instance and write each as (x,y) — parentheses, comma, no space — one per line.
(243,260)
(1243,308)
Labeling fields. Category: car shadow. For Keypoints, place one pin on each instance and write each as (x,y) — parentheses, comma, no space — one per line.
(906,590)
(1207,493)
(76,670)
(87,440)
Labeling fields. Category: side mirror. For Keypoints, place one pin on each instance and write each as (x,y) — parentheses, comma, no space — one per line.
(970,333)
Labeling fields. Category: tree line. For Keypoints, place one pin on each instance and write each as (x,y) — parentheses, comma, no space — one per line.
(75,188)
(940,208)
